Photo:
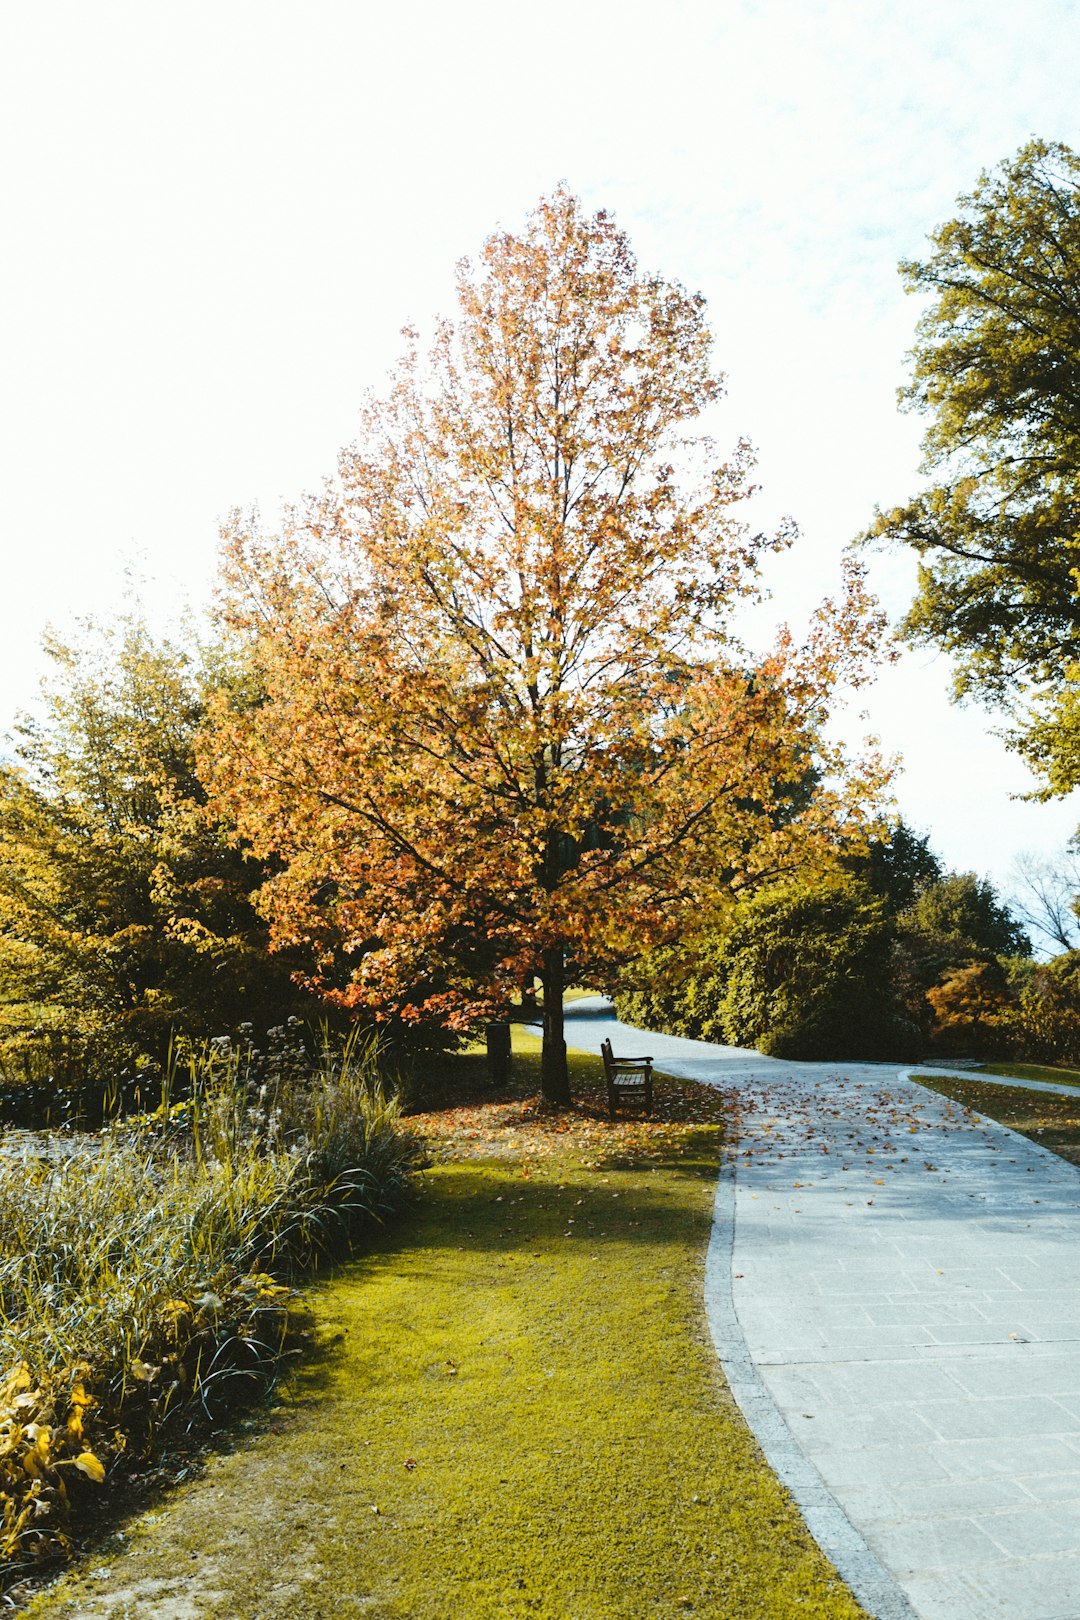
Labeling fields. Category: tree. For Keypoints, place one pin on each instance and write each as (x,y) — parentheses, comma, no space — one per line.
(872,957)
(972,1007)
(964,917)
(806,973)
(897,865)
(1047,893)
(1045,1024)
(125,914)
(508,729)
(952,925)
(997,371)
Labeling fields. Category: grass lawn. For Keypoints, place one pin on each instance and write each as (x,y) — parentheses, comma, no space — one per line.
(1052,1122)
(516,1410)
(1032,1071)
(574,992)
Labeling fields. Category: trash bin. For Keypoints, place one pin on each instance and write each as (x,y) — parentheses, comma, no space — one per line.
(498,1053)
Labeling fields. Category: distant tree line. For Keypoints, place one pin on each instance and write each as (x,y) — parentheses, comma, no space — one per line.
(889,956)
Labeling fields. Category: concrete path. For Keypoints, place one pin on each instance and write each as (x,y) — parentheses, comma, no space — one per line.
(894,1290)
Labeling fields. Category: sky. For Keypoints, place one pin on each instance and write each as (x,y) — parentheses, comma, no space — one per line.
(219,216)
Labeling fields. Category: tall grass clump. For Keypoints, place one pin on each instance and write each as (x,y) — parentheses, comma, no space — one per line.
(145,1274)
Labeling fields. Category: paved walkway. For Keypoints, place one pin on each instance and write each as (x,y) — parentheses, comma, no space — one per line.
(894,1290)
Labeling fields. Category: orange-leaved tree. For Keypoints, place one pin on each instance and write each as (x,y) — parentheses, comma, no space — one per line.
(506,728)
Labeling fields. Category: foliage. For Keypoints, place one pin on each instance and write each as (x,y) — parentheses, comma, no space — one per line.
(897,865)
(951,942)
(677,988)
(840,965)
(525,1352)
(996,372)
(125,912)
(507,729)
(968,1006)
(142,1275)
(806,974)
(1043,1024)
(962,915)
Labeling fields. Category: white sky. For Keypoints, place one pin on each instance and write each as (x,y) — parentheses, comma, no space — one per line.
(218,217)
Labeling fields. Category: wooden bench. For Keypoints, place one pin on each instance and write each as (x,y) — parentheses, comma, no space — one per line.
(630,1077)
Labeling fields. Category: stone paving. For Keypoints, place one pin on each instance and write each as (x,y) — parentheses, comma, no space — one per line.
(894,1289)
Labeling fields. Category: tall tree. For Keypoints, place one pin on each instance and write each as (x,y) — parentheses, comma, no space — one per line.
(897,865)
(508,730)
(125,913)
(996,369)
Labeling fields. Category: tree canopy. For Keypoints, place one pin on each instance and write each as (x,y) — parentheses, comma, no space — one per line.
(508,729)
(125,916)
(996,369)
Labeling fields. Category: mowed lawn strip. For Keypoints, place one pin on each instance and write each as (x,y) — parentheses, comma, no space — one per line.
(1032,1071)
(516,1412)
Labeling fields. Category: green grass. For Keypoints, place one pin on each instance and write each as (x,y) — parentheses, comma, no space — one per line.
(573,992)
(1032,1071)
(517,1412)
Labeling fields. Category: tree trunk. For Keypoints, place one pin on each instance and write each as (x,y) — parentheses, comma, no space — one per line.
(554,1074)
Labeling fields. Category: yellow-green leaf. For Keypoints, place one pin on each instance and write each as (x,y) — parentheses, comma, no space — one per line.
(88,1464)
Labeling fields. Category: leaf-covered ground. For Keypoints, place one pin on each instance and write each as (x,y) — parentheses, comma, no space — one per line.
(516,1411)
(1052,1122)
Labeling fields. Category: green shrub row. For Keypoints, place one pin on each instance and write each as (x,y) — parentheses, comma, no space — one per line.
(839,968)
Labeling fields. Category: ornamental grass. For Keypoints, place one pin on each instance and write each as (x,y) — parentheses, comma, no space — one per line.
(146,1273)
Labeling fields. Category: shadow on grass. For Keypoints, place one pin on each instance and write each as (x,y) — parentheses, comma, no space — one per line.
(489,1207)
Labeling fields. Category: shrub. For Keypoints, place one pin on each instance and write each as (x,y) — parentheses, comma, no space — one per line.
(807,971)
(676,989)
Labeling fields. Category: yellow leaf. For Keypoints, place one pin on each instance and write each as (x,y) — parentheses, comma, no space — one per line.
(88,1464)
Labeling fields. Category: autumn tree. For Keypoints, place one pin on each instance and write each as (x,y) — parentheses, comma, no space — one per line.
(996,372)
(508,729)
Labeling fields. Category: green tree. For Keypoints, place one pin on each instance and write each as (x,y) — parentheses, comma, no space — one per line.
(870,957)
(124,906)
(1044,1023)
(806,971)
(996,369)
(966,918)
(897,865)
(951,945)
